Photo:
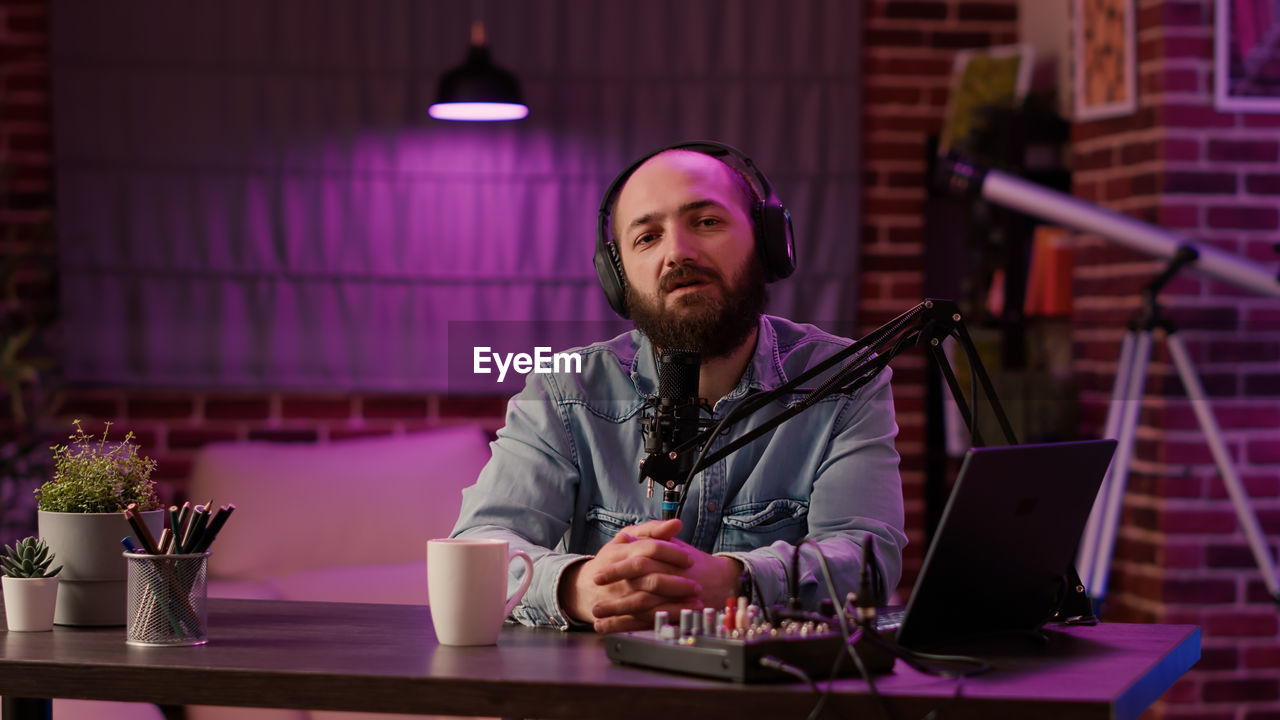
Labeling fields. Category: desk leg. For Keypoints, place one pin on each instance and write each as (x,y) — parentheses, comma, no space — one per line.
(12,708)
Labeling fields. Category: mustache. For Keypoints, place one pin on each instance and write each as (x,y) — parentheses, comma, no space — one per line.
(683,274)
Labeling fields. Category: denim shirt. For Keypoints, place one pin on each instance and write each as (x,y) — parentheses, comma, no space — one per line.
(564,476)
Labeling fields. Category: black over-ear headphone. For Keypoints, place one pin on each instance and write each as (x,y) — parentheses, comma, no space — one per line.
(775,241)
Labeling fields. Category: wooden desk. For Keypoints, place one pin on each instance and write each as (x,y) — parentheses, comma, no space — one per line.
(385,658)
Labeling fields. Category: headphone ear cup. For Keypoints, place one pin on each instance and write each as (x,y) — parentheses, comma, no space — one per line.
(775,240)
(609,270)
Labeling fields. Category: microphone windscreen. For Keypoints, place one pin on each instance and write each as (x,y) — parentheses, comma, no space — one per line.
(678,375)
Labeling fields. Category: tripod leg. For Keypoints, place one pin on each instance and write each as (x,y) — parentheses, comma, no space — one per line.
(1213,436)
(1118,474)
(1088,549)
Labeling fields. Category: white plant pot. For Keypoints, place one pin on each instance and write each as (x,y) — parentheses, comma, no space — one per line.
(29,602)
(87,545)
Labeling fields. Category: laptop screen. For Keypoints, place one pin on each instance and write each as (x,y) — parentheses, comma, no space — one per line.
(1005,542)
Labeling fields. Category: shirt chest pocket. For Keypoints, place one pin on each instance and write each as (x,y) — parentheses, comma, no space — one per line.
(758,524)
(603,524)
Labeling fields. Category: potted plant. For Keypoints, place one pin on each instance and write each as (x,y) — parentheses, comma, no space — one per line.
(30,587)
(80,515)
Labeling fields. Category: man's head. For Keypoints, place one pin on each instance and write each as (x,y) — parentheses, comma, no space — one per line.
(680,242)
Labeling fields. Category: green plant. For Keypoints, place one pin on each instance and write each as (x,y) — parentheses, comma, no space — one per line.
(93,475)
(28,558)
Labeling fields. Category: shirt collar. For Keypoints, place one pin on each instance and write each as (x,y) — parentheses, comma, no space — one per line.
(764,372)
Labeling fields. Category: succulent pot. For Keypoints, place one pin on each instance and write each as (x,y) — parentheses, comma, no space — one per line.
(93,589)
(29,602)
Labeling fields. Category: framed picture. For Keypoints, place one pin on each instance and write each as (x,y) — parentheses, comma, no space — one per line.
(1104,50)
(991,77)
(1246,48)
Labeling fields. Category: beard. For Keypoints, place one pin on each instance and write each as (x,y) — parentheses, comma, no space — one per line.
(712,326)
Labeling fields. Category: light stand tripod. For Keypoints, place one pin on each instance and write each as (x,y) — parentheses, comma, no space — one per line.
(1098,542)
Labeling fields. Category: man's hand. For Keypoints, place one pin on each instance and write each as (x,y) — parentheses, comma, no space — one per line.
(644,569)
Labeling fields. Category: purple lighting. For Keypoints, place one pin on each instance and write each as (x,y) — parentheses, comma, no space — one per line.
(478,111)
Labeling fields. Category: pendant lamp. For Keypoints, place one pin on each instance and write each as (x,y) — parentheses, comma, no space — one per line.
(478,90)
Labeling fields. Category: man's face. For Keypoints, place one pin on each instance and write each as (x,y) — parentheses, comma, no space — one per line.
(685,237)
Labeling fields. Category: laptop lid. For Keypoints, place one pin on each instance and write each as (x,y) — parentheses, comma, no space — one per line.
(1005,542)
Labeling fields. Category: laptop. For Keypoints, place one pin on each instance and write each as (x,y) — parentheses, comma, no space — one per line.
(1006,540)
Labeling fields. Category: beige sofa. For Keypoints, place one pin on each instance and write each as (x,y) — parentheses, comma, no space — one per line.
(347,521)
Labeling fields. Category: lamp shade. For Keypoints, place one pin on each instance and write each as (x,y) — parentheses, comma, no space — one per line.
(478,90)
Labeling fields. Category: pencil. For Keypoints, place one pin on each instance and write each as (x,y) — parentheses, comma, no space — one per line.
(215,526)
(144,533)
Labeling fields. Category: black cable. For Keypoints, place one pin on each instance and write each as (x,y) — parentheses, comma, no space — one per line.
(849,640)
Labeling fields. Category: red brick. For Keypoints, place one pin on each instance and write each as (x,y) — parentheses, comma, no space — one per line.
(924,125)
(1179,216)
(878,67)
(1179,149)
(1262,319)
(988,11)
(1241,624)
(1177,556)
(1244,217)
(1137,152)
(317,408)
(1255,486)
(1263,451)
(1241,690)
(1244,151)
(880,37)
(1187,47)
(89,406)
(1262,657)
(191,439)
(895,151)
(1099,159)
(911,236)
(249,408)
(159,408)
(1196,522)
(882,95)
(395,407)
(916,10)
(1218,183)
(1218,658)
(957,40)
(1194,116)
(1263,184)
(284,436)
(356,433)
(172,467)
(454,406)
(1261,120)
(1182,14)
(1258,384)
(1229,556)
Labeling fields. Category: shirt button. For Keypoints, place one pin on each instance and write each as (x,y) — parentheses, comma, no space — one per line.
(711,507)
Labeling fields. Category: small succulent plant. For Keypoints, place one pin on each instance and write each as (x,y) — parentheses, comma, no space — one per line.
(28,558)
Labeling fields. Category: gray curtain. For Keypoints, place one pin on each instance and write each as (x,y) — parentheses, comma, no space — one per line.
(250,193)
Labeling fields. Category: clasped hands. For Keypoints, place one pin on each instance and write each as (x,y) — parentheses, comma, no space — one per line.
(645,568)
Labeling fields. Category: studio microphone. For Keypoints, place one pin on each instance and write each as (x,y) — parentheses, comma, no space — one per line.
(673,423)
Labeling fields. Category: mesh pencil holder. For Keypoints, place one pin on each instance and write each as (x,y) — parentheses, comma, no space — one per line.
(167,599)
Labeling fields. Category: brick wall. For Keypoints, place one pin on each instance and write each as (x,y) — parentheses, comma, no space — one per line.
(909,49)
(1212,177)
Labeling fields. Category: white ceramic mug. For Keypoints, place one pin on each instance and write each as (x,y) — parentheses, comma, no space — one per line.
(467,588)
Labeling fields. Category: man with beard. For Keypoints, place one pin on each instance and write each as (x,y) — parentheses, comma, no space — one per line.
(689,236)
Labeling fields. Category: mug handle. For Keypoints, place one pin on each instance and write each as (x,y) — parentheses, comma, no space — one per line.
(528,578)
